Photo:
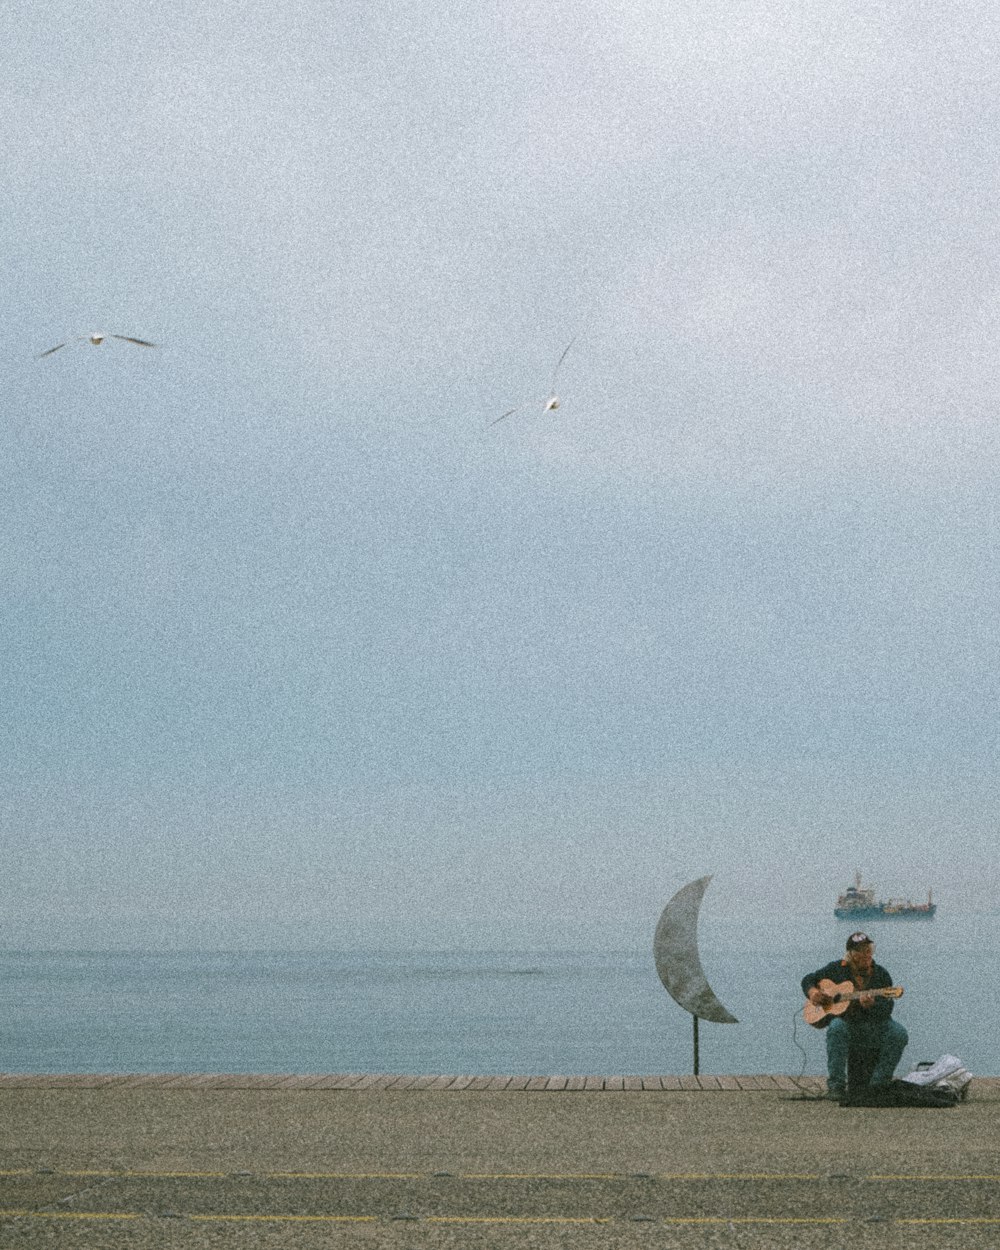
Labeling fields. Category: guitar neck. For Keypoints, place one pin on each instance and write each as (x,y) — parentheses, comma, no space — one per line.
(891,990)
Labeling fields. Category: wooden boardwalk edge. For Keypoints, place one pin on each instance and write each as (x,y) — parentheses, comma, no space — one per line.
(390,1081)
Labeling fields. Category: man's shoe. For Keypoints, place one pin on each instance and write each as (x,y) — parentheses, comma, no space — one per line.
(835,1093)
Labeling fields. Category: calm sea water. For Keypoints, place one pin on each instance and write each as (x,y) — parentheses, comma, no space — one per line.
(485,1012)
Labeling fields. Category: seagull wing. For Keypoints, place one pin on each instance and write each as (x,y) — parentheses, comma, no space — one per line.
(552,388)
(41,355)
(125,339)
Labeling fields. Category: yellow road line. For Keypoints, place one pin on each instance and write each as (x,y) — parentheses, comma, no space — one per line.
(291,1219)
(125,1174)
(129,1174)
(737,1176)
(540,1176)
(753,1219)
(71,1215)
(280,1218)
(136,1215)
(343,1176)
(518,1219)
(946,1219)
(638,1176)
(941,1176)
(150,1175)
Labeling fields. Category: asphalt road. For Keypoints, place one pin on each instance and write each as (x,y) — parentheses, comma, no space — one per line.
(135,1168)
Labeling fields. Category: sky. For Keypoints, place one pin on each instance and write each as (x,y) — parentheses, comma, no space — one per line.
(303,648)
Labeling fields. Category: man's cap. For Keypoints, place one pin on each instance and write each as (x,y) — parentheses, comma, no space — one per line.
(858,939)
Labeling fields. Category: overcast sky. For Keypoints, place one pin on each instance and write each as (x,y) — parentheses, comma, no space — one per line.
(301,649)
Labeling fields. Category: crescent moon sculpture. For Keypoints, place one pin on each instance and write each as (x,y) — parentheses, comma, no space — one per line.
(675,949)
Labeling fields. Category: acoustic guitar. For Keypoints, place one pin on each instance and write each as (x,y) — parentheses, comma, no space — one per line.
(842,995)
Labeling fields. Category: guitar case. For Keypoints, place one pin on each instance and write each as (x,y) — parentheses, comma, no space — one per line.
(900,1094)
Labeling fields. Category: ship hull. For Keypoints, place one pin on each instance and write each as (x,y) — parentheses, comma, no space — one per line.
(881,913)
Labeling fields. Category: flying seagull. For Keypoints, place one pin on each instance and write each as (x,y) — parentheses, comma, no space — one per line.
(97,338)
(552,402)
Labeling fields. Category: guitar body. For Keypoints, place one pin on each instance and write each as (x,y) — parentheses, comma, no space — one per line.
(842,995)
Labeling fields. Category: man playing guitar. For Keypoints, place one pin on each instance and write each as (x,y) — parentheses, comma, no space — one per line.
(860,1017)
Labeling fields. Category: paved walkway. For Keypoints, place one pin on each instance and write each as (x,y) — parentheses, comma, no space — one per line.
(352,1162)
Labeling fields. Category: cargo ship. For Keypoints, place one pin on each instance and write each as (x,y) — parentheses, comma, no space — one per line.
(858,903)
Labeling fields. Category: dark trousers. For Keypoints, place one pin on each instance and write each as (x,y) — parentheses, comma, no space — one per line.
(858,1058)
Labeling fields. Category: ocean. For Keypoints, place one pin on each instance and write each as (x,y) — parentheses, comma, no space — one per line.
(483,1012)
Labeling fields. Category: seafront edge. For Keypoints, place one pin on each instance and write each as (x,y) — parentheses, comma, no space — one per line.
(395,1081)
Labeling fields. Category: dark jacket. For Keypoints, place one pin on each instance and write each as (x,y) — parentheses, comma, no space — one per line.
(856,1016)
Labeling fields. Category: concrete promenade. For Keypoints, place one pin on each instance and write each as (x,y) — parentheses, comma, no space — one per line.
(347,1160)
